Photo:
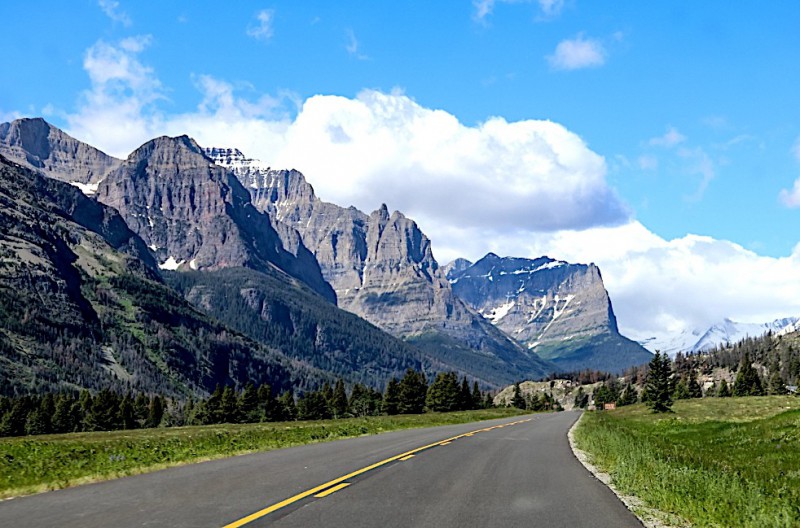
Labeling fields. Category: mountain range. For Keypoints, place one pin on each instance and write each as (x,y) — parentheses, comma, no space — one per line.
(185,237)
(719,334)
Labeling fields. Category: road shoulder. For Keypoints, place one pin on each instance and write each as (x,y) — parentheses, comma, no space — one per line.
(649,517)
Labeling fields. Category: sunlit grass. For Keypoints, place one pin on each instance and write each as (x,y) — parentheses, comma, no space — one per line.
(715,462)
(39,463)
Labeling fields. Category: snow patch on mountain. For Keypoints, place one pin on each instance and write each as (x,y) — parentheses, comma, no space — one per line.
(495,314)
(726,331)
(89,189)
(171,264)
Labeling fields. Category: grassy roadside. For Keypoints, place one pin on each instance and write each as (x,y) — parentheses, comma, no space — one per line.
(718,462)
(39,463)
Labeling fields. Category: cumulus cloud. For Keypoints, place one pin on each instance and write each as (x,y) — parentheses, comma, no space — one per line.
(113,11)
(525,188)
(671,138)
(115,111)
(578,53)
(261,28)
(658,287)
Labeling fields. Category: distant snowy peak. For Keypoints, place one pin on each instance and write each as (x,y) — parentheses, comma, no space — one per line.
(726,331)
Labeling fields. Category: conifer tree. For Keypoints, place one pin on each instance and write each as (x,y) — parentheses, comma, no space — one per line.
(748,382)
(413,390)
(287,406)
(477,397)
(517,400)
(339,400)
(724,391)
(391,399)
(658,384)
(248,404)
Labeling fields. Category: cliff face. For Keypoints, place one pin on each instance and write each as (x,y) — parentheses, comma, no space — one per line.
(35,144)
(382,269)
(196,215)
(559,310)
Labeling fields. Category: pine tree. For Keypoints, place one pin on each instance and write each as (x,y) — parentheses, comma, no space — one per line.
(248,404)
(391,399)
(724,391)
(776,384)
(693,387)
(477,397)
(339,400)
(464,396)
(287,406)
(748,382)
(517,400)
(628,397)
(444,394)
(413,390)
(658,384)
(581,399)
(156,412)
(681,391)
(229,406)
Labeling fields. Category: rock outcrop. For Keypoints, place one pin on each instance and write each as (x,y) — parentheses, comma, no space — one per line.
(559,310)
(196,215)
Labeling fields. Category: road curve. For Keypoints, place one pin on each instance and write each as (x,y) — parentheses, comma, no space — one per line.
(509,472)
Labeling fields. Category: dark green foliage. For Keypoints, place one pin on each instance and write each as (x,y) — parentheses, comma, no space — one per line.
(517,400)
(413,390)
(724,391)
(748,382)
(444,394)
(391,398)
(339,404)
(681,391)
(313,406)
(658,388)
(628,396)
(581,400)
(365,401)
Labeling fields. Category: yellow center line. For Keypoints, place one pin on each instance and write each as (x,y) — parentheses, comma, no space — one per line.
(406,458)
(333,483)
(446,443)
(332,490)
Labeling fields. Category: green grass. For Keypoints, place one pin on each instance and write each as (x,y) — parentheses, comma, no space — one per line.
(719,462)
(39,463)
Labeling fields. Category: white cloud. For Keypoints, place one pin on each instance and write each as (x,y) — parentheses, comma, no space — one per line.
(262,28)
(524,188)
(112,10)
(578,53)
(670,138)
(657,286)
(791,198)
(116,111)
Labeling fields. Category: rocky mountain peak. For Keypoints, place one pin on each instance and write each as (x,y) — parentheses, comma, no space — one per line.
(382,268)
(194,214)
(552,306)
(455,267)
(36,144)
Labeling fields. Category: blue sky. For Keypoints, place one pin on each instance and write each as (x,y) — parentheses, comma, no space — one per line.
(692,107)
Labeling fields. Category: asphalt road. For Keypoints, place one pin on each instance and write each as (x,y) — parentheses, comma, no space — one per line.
(510,472)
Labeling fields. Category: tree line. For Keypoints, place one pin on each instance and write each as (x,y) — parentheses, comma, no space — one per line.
(667,380)
(107,410)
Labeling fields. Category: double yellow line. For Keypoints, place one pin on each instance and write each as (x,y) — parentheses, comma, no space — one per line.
(323,490)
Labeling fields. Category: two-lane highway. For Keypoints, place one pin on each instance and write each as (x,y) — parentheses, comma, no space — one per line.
(510,472)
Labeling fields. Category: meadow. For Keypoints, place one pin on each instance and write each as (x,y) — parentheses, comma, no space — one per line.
(34,464)
(713,462)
